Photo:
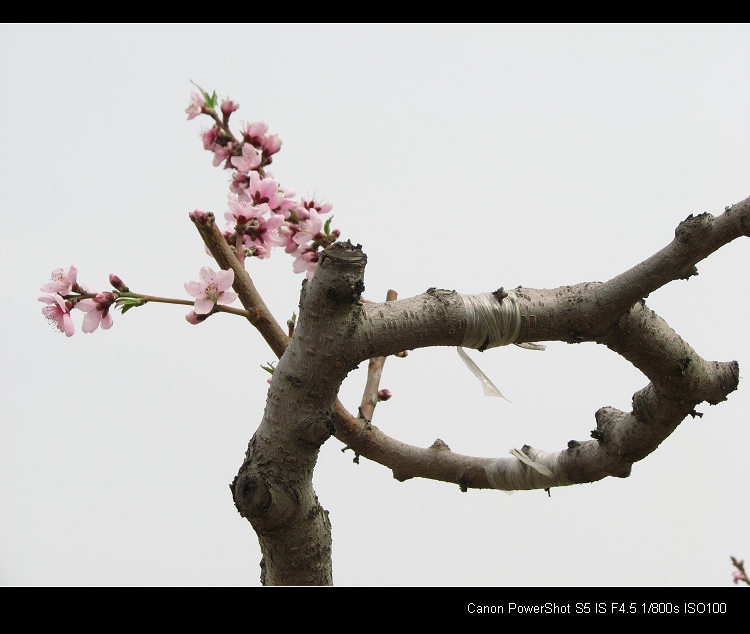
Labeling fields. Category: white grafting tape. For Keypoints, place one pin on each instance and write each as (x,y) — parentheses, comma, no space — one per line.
(491,323)
(488,386)
(528,461)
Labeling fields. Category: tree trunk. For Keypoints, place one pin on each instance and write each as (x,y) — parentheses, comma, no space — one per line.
(336,331)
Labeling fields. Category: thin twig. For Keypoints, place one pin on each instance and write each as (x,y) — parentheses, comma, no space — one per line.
(374,371)
(259,315)
(740,574)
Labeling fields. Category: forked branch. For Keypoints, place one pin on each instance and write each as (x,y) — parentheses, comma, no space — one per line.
(336,332)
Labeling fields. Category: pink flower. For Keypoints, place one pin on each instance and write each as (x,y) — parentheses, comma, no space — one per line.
(58,313)
(265,191)
(209,138)
(228,107)
(62,281)
(211,290)
(254,133)
(305,261)
(287,204)
(271,145)
(240,182)
(222,153)
(309,228)
(241,212)
(195,107)
(287,233)
(249,160)
(256,250)
(264,233)
(321,209)
(97,312)
(267,231)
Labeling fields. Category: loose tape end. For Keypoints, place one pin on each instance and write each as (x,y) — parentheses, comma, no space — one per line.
(490,389)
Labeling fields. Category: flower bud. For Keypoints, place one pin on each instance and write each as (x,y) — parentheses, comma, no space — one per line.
(384,395)
(199,217)
(117,283)
(105,299)
(194,318)
(228,107)
(271,144)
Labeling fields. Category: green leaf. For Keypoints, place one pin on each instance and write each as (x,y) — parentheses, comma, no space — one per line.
(203,92)
(126,303)
(211,100)
(327,226)
(269,367)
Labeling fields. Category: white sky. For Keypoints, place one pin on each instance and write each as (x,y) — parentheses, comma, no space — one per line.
(466,157)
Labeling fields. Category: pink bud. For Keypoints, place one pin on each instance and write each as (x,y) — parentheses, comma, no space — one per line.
(199,217)
(104,300)
(117,283)
(384,395)
(97,311)
(271,144)
(228,107)
(194,318)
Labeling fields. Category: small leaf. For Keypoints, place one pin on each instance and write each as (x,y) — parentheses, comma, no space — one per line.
(125,304)
(269,367)
(327,226)
(203,92)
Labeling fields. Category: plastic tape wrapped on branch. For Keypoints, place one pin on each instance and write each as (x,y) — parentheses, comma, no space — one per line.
(489,324)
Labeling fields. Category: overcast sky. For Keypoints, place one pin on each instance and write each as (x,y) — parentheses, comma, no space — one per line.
(460,157)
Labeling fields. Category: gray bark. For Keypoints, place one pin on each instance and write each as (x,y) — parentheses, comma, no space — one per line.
(336,332)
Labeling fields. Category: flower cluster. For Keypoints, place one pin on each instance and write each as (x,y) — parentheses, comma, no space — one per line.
(261,214)
(66,294)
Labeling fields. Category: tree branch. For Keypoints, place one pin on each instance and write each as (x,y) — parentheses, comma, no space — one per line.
(259,315)
(585,312)
(273,488)
(335,332)
(370,396)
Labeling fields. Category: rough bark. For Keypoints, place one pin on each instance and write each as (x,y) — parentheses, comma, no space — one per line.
(336,332)
(274,486)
